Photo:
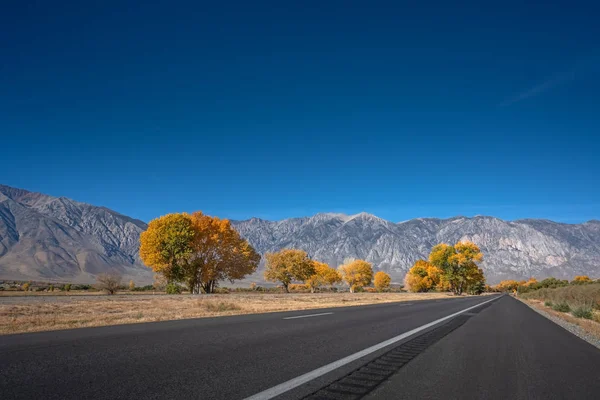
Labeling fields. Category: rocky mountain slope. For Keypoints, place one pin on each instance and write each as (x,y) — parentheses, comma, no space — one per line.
(55,238)
(45,237)
(514,250)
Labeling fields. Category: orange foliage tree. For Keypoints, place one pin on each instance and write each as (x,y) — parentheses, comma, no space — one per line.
(357,274)
(422,277)
(581,279)
(324,275)
(197,249)
(288,265)
(382,281)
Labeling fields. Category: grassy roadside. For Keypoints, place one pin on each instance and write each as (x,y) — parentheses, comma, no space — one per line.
(38,313)
(576,304)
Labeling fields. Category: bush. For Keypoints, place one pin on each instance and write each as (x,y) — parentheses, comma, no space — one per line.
(173,288)
(583,312)
(25,287)
(67,287)
(299,287)
(548,303)
(562,307)
(110,282)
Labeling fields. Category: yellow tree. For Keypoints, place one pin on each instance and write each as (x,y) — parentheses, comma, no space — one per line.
(166,245)
(422,277)
(131,285)
(218,253)
(507,286)
(288,265)
(382,281)
(581,279)
(357,274)
(197,249)
(457,263)
(324,275)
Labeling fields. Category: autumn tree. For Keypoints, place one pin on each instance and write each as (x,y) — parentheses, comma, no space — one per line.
(166,245)
(109,282)
(357,274)
(131,285)
(382,281)
(458,265)
(581,279)
(423,277)
(509,285)
(197,249)
(288,265)
(218,253)
(324,275)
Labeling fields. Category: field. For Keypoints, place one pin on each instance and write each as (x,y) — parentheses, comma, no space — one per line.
(42,313)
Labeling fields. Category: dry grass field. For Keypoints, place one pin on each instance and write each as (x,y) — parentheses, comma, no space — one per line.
(42,313)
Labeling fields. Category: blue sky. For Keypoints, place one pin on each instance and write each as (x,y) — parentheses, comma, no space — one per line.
(281,109)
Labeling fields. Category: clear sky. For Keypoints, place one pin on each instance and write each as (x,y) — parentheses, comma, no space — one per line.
(289,108)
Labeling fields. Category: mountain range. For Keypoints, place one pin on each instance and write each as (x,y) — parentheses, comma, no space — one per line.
(55,238)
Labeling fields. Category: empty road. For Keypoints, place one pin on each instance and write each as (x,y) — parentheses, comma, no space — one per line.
(501,350)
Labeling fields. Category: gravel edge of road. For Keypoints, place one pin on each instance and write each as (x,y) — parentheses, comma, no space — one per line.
(573,328)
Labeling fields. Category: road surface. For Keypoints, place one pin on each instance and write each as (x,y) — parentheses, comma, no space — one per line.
(499,350)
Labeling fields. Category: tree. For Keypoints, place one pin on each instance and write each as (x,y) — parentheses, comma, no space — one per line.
(581,279)
(131,285)
(458,264)
(25,287)
(357,274)
(109,282)
(423,277)
(509,285)
(166,245)
(382,281)
(219,253)
(197,249)
(288,265)
(324,275)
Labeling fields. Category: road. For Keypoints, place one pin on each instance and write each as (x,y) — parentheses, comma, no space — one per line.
(499,350)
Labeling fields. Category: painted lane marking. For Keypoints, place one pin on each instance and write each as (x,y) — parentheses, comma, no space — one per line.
(309,315)
(309,376)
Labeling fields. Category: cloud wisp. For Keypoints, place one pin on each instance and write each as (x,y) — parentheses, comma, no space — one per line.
(541,88)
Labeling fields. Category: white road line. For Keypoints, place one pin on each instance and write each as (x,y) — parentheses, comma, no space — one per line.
(409,304)
(309,315)
(309,376)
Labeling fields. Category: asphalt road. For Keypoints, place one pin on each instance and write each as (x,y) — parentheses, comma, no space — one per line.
(505,344)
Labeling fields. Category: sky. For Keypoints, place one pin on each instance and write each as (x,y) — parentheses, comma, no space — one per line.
(285,109)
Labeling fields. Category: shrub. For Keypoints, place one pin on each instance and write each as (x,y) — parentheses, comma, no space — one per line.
(67,287)
(298,287)
(562,307)
(109,282)
(583,312)
(548,303)
(173,288)
(25,287)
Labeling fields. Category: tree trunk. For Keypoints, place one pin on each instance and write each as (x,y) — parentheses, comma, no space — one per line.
(285,286)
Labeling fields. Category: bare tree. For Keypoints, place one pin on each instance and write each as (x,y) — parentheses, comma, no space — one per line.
(109,282)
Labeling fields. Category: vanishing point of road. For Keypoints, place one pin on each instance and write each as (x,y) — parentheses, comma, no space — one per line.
(488,347)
